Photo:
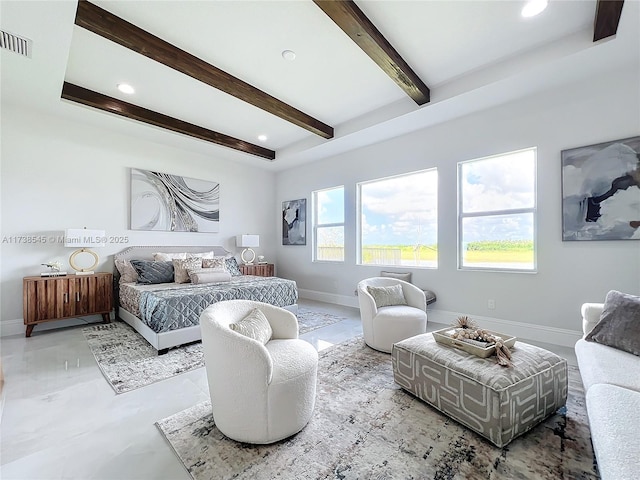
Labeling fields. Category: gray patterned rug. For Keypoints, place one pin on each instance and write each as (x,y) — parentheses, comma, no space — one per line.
(365,426)
(309,320)
(128,362)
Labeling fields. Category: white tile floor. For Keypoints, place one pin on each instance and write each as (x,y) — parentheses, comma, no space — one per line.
(62,420)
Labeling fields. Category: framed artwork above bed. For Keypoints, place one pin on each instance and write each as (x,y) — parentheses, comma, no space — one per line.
(171,203)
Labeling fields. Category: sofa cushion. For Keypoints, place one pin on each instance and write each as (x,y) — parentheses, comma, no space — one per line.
(619,325)
(601,364)
(614,427)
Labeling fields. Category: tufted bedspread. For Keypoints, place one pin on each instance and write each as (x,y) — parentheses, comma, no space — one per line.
(170,306)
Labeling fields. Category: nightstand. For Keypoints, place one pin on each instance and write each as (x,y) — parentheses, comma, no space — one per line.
(47,299)
(259,269)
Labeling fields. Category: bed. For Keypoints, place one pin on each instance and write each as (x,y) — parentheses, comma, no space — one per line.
(167,314)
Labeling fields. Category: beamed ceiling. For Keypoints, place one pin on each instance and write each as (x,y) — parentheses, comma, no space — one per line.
(213,71)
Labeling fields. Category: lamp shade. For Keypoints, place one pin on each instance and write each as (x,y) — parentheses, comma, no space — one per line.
(247,241)
(83,238)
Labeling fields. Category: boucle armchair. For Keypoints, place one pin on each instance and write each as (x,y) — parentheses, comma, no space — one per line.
(260,392)
(385,325)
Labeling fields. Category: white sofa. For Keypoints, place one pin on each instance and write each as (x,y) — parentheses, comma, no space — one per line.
(611,379)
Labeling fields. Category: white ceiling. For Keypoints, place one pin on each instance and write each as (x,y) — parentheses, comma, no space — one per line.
(472,55)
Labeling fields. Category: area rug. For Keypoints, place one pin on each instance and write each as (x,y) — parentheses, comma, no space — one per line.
(128,362)
(309,320)
(364,426)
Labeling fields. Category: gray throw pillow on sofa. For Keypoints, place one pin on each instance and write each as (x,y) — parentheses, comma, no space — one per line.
(619,325)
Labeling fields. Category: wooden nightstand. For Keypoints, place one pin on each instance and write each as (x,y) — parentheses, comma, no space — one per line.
(259,269)
(47,299)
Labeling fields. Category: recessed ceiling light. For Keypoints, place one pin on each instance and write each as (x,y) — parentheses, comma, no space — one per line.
(126,88)
(534,7)
(262,138)
(289,55)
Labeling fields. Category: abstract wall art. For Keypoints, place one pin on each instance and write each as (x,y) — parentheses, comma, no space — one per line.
(601,191)
(171,203)
(294,222)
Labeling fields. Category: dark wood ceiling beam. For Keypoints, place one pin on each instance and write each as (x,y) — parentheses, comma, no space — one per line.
(347,15)
(607,18)
(111,27)
(97,100)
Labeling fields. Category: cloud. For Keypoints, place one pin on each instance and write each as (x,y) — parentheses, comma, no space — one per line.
(400,209)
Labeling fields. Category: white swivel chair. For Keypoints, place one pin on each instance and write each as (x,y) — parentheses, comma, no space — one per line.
(385,325)
(260,393)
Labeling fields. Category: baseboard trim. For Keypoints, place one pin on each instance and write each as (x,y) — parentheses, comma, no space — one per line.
(12,327)
(525,331)
(329,298)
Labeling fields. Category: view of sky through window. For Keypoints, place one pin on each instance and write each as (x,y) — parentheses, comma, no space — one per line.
(497,207)
(398,220)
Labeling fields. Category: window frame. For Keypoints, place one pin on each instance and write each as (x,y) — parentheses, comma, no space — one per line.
(494,213)
(359,246)
(316,225)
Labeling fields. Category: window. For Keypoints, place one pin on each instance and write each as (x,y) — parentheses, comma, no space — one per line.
(496,212)
(399,220)
(328,224)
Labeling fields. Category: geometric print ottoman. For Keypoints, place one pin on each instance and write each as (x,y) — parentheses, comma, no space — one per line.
(499,403)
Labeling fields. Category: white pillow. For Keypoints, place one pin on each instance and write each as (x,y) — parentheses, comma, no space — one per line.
(209,275)
(255,325)
(167,257)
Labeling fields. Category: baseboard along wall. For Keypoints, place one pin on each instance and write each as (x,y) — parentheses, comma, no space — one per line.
(539,333)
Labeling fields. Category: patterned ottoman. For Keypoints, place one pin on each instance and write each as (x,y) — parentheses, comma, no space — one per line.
(499,403)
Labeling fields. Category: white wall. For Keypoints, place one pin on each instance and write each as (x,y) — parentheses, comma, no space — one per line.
(57,174)
(546,305)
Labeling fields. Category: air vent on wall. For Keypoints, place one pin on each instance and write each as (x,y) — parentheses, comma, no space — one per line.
(15,43)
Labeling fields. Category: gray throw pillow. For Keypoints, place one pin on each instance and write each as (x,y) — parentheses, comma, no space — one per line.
(255,325)
(387,296)
(619,325)
(232,266)
(406,276)
(153,272)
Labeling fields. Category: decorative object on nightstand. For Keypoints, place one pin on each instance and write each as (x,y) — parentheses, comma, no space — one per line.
(83,238)
(261,260)
(246,242)
(54,269)
(47,299)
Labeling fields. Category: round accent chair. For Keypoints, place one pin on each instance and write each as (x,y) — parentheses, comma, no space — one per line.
(262,378)
(391,310)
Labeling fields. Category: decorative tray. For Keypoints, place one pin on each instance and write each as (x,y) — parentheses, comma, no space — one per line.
(443,336)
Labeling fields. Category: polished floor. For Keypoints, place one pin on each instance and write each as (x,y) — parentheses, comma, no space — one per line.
(62,420)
